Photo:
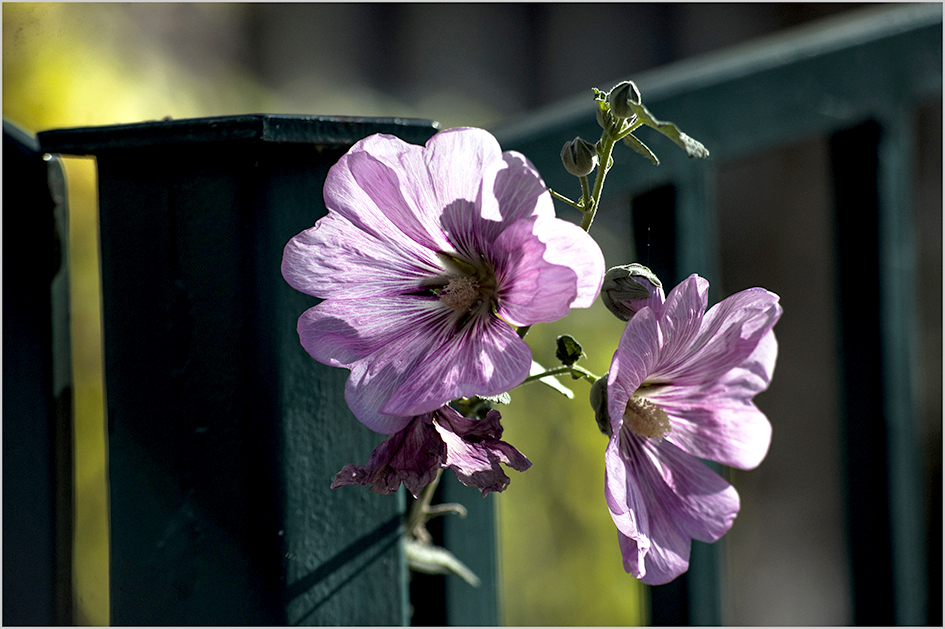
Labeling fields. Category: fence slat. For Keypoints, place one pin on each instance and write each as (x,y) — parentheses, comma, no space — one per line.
(37,388)
(223,434)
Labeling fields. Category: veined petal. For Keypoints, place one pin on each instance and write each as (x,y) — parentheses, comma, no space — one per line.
(335,259)
(511,191)
(680,319)
(561,267)
(456,160)
(485,357)
(374,187)
(531,289)
(718,421)
(341,332)
(412,456)
(636,354)
(684,500)
(729,333)
(474,450)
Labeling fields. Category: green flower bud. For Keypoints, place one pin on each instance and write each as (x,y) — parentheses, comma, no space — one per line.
(621,97)
(598,399)
(579,157)
(628,288)
(568,350)
(608,122)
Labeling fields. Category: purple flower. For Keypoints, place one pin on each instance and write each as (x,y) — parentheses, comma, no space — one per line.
(680,386)
(441,439)
(427,258)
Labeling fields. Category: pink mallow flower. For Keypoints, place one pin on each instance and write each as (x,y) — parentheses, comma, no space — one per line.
(427,258)
(442,439)
(680,388)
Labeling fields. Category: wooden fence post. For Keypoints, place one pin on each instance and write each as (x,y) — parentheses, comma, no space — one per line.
(223,434)
(37,388)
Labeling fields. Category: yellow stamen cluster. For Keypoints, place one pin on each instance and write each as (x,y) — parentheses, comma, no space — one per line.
(646,419)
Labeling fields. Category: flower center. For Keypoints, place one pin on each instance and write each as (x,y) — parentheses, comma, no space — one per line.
(646,419)
(461,293)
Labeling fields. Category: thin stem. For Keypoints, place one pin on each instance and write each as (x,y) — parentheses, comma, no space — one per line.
(565,199)
(573,370)
(419,512)
(607,144)
(586,192)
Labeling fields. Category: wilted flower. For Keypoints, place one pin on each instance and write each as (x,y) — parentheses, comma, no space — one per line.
(680,387)
(427,258)
(442,439)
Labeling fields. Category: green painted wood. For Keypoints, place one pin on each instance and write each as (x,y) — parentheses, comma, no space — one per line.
(473,541)
(223,434)
(897,281)
(37,388)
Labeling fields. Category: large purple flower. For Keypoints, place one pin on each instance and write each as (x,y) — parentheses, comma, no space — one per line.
(680,386)
(427,258)
(442,439)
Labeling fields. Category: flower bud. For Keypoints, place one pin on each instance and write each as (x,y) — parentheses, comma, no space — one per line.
(579,157)
(568,350)
(621,97)
(608,122)
(598,399)
(628,288)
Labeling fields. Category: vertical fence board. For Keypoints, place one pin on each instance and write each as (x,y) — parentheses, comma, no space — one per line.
(37,388)
(223,434)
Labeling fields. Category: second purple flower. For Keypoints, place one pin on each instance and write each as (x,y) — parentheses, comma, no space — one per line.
(427,258)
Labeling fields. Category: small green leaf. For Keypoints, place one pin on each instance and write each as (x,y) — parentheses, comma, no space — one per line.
(641,148)
(502,398)
(693,147)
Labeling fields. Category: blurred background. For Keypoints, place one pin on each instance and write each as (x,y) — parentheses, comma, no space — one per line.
(68,65)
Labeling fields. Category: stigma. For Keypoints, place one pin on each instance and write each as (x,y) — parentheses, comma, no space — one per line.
(646,419)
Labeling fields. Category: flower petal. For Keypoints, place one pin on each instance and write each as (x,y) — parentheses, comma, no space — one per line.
(412,455)
(474,450)
(336,259)
(718,421)
(485,357)
(680,319)
(341,332)
(636,354)
(728,334)
(546,269)
(682,500)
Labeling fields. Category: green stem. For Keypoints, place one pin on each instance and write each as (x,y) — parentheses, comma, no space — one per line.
(565,199)
(607,144)
(573,370)
(419,512)
(586,195)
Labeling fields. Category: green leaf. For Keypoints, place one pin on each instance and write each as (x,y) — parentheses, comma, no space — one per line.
(502,398)
(551,381)
(693,147)
(641,148)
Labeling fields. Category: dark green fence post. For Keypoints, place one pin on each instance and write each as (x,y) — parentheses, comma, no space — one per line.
(37,388)
(223,434)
